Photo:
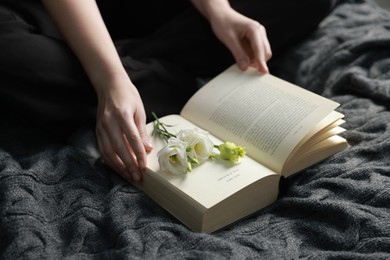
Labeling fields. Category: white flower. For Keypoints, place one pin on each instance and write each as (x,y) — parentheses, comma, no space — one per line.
(199,145)
(190,148)
(173,157)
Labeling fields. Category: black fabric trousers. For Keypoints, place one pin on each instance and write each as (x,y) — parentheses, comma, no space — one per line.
(165,46)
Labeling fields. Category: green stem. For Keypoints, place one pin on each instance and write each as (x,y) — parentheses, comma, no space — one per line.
(160,128)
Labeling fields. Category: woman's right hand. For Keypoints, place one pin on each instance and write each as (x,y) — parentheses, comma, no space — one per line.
(121,127)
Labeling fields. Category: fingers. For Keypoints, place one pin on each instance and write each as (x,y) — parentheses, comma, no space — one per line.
(108,154)
(240,55)
(116,154)
(135,142)
(141,125)
(123,144)
(260,47)
(251,48)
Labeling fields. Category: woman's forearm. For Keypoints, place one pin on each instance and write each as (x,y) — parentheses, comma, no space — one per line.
(83,28)
(121,121)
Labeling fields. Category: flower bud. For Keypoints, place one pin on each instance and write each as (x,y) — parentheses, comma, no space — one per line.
(230,151)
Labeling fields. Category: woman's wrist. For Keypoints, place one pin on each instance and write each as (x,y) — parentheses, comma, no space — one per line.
(106,81)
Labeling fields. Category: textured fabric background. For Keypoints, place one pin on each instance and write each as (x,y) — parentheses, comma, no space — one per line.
(58,202)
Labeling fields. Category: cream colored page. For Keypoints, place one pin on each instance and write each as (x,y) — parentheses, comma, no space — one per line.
(265,114)
(212,181)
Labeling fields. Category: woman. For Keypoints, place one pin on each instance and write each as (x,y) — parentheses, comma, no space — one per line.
(120,58)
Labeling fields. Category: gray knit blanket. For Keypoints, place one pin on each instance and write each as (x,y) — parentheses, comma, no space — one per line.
(58,201)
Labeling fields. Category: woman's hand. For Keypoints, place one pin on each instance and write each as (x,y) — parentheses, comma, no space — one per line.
(245,38)
(120,127)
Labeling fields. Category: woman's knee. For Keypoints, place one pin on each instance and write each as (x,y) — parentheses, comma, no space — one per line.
(11,23)
(275,9)
(318,9)
(6,15)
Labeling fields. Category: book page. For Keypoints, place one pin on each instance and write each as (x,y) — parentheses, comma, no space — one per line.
(212,181)
(326,125)
(316,153)
(265,114)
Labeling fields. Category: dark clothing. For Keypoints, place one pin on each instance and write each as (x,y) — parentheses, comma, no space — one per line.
(165,47)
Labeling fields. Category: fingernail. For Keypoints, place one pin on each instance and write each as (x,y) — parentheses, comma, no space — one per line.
(149,146)
(147,141)
(265,69)
(243,64)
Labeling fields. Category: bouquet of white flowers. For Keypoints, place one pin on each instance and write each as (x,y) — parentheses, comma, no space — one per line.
(191,147)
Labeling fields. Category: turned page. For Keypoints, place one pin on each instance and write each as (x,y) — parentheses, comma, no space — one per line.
(267,115)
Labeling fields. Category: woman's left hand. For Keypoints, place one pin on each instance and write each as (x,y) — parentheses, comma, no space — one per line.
(245,38)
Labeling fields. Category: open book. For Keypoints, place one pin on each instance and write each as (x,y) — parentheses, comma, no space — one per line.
(283,128)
